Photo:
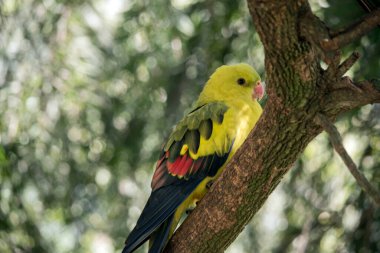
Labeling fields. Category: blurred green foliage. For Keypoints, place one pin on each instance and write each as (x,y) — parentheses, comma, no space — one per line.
(90,89)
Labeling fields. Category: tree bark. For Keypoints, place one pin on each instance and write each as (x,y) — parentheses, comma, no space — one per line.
(298,89)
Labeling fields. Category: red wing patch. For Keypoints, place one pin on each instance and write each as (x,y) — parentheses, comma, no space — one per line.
(181,166)
(184,168)
(167,171)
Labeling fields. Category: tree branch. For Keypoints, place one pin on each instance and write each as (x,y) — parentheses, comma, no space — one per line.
(335,72)
(347,64)
(336,141)
(352,32)
(347,95)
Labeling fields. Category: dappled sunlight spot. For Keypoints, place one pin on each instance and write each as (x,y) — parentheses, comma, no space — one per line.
(368,162)
(317,153)
(76,209)
(176,46)
(55,152)
(235,248)
(14,102)
(323,3)
(155,113)
(127,188)
(15,42)
(22,166)
(64,169)
(93,19)
(103,177)
(112,10)
(272,219)
(71,109)
(45,123)
(24,138)
(142,73)
(200,17)
(49,163)
(8,6)
(354,144)
(119,123)
(324,218)
(78,154)
(365,42)
(323,65)
(31,198)
(338,196)
(145,19)
(365,112)
(15,218)
(300,242)
(101,243)
(377,144)
(6,195)
(191,72)
(66,241)
(351,218)
(151,62)
(40,150)
(160,95)
(330,242)
(294,217)
(97,146)
(74,134)
(226,33)
(182,4)
(150,144)
(96,220)
(93,119)
(52,109)
(13,126)
(15,87)
(141,176)
(185,25)
(84,58)
(140,41)
(117,88)
(240,25)
(52,225)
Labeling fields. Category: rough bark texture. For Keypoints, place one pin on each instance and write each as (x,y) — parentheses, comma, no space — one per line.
(298,90)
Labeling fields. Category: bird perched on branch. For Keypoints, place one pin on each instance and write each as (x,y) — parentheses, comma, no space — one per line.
(197,151)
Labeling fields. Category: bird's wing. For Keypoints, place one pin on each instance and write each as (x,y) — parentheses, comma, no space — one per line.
(198,146)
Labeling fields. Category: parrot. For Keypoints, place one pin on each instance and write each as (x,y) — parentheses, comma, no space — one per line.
(197,151)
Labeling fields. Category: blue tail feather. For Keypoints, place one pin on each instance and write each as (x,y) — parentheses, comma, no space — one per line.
(160,208)
(161,236)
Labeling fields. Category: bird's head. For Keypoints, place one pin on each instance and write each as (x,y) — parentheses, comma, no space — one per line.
(234,81)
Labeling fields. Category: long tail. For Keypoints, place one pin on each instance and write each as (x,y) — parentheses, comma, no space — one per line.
(158,211)
(160,237)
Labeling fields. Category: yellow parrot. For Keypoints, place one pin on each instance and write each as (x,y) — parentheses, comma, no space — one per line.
(197,151)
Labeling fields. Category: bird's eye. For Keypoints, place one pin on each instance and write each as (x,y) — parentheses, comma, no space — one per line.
(241,81)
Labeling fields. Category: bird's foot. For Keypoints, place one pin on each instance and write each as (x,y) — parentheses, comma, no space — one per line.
(191,208)
(188,211)
(209,184)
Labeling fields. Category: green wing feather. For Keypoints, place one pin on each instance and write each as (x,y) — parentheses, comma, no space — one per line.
(199,119)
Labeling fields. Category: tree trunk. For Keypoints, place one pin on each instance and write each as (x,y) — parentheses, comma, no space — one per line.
(298,88)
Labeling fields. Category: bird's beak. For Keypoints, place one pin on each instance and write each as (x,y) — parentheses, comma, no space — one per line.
(258,91)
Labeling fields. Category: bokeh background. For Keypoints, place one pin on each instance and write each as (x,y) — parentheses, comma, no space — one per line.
(90,89)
